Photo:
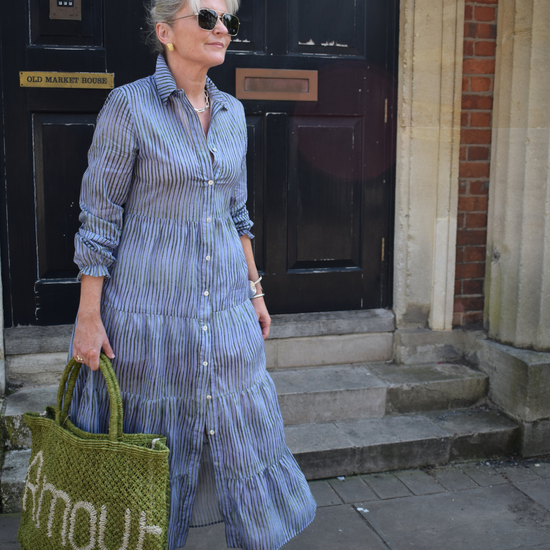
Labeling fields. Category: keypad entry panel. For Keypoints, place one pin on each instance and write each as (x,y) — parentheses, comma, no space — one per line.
(68,10)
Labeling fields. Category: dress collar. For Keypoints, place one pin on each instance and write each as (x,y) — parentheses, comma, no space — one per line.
(166,85)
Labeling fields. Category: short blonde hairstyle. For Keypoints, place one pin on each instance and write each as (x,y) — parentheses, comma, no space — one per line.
(164,11)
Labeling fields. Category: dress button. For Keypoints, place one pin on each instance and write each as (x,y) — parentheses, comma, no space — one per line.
(206,293)
(205,363)
(214,150)
(210,182)
(216,463)
(204,327)
(208,397)
(212,432)
(208,220)
(207,258)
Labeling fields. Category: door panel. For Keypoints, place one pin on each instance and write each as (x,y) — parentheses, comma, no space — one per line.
(57,208)
(324,208)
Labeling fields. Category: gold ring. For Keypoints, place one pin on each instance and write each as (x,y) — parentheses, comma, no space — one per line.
(79,359)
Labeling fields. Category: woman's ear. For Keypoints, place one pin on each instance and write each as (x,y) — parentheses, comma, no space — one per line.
(164,32)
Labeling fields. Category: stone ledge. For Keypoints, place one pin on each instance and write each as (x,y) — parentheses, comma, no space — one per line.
(520,380)
(329,350)
(12,480)
(37,369)
(298,325)
(400,441)
(33,340)
(55,339)
(415,346)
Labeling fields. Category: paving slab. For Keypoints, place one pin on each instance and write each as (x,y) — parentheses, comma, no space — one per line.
(483,474)
(352,489)
(542,469)
(517,474)
(337,527)
(9,524)
(497,518)
(323,493)
(453,478)
(387,485)
(328,394)
(206,538)
(538,490)
(419,482)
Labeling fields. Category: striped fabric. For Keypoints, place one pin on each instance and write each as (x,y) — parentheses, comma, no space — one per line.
(163,207)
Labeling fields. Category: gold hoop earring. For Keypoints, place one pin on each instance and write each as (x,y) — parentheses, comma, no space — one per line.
(170,46)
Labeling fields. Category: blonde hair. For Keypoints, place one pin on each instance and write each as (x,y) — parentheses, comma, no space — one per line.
(164,11)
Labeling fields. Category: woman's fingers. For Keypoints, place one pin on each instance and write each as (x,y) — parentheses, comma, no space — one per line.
(107,349)
(90,338)
(263,316)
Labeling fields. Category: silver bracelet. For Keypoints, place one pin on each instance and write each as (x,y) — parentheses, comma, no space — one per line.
(257,296)
(254,283)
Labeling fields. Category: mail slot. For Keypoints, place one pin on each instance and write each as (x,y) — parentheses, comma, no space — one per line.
(276,84)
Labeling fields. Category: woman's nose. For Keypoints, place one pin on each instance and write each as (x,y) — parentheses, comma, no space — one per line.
(220,28)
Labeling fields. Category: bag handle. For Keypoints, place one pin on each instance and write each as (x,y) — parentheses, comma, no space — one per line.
(65,396)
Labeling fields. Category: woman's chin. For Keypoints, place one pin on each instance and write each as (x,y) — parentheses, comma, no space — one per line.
(217,59)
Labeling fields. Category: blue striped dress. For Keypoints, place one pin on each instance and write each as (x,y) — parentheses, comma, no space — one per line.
(163,207)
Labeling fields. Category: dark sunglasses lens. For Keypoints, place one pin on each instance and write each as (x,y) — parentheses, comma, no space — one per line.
(231,23)
(207,19)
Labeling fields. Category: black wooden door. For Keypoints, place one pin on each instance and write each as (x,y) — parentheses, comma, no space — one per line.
(320,173)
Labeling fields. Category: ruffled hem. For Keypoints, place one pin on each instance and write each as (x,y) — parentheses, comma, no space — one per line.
(270,508)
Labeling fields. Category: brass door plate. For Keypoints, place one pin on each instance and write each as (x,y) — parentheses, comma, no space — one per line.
(276,84)
(68,10)
(41,79)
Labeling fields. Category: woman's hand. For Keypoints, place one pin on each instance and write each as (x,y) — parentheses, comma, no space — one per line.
(263,316)
(90,336)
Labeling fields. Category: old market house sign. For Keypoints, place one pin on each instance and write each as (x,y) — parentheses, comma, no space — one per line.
(317,79)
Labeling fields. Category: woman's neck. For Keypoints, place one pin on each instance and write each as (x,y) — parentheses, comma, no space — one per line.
(191,80)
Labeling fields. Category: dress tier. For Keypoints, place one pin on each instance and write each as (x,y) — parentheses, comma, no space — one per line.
(161,222)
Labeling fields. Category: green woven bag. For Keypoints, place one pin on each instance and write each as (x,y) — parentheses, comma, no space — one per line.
(93,491)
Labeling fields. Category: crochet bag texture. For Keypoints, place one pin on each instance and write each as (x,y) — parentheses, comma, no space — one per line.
(88,491)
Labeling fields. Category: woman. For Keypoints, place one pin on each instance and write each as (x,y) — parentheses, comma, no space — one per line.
(167,274)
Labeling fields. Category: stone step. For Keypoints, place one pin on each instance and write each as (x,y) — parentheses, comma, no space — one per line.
(400,441)
(316,394)
(364,446)
(346,392)
(36,356)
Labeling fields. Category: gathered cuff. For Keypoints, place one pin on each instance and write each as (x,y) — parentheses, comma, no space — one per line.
(246,232)
(94,271)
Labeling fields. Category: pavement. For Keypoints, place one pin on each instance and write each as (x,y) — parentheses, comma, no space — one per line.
(490,505)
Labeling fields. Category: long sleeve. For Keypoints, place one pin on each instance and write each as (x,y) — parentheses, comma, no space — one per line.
(105,187)
(239,212)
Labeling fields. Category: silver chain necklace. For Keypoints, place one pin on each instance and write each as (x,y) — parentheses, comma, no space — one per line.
(206,98)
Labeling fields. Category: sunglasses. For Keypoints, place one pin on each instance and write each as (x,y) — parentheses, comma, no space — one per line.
(208,19)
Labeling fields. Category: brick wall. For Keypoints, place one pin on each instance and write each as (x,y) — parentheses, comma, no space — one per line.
(475,154)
